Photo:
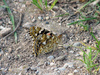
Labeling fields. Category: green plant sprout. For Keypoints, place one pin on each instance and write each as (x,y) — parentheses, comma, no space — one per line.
(41,5)
(11,18)
(88,59)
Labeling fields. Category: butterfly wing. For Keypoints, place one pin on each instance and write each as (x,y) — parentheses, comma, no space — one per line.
(44,40)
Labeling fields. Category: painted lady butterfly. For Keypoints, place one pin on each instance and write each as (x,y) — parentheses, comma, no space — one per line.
(44,40)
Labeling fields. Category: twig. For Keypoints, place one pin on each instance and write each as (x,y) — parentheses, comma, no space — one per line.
(19,23)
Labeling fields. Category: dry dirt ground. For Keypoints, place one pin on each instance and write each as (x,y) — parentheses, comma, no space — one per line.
(17,58)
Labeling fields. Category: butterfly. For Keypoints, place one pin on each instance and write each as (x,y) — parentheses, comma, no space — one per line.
(44,41)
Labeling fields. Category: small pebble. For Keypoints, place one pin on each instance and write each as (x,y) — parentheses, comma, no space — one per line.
(21,0)
(23,6)
(37,72)
(81,53)
(1,51)
(65,46)
(60,24)
(2,9)
(16,57)
(10,50)
(47,18)
(77,44)
(75,71)
(1,22)
(33,68)
(47,23)
(55,8)
(40,18)
(27,25)
(58,72)
(31,55)
(71,52)
(18,48)
(70,74)
(86,40)
(52,64)
(60,58)
(47,63)
(27,69)
(4,31)
(19,73)
(9,22)
(98,38)
(99,70)
(33,20)
(77,54)
(9,57)
(40,63)
(28,3)
(62,68)
(70,65)
(50,58)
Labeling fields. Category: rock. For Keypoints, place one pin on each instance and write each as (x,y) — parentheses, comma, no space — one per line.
(77,44)
(9,57)
(28,3)
(66,46)
(2,9)
(99,70)
(60,24)
(86,40)
(33,68)
(75,71)
(50,58)
(40,63)
(21,0)
(62,68)
(37,72)
(27,69)
(27,25)
(23,6)
(55,8)
(47,18)
(46,63)
(33,20)
(3,71)
(23,67)
(40,18)
(77,54)
(10,50)
(70,65)
(1,22)
(4,31)
(52,64)
(18,48)
(20,73)
(71,51)
(31,55)
(16,58)
(70,74)
(47,23)
(60,58)
(1,52)
(54,73)
(81,53)
(58,72)
(9,22)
